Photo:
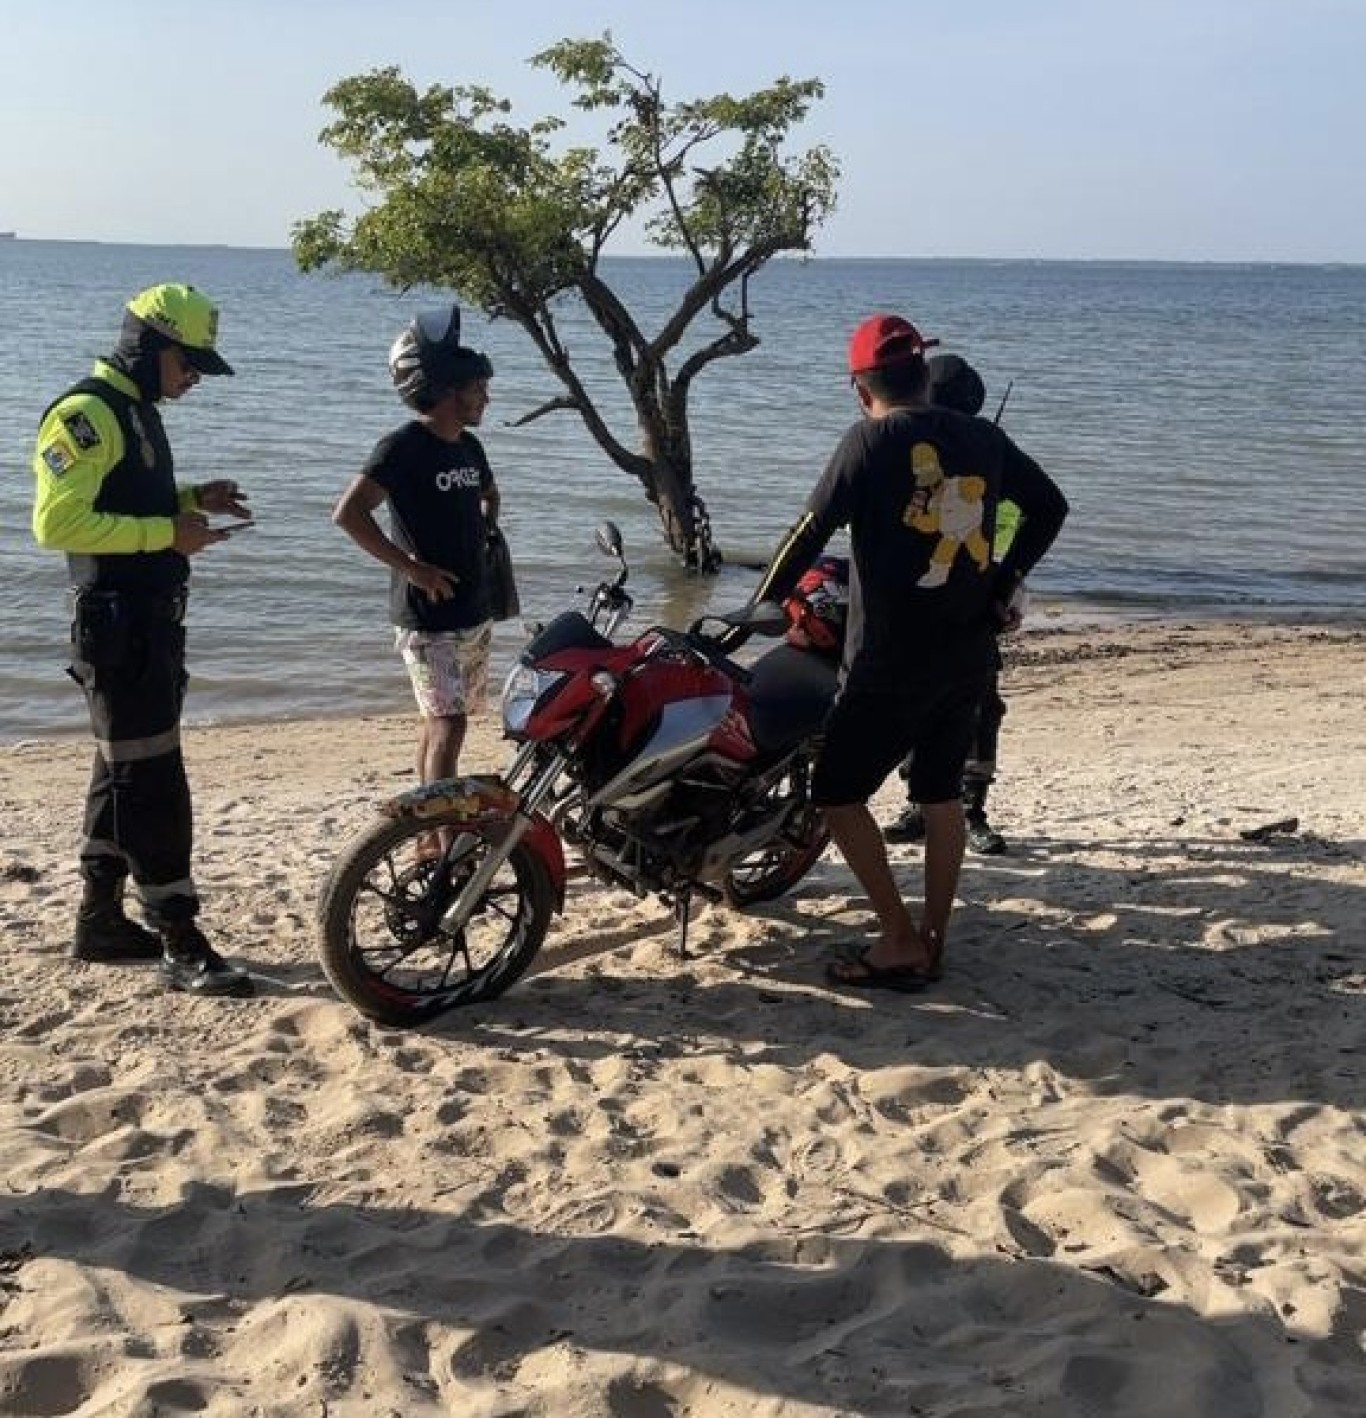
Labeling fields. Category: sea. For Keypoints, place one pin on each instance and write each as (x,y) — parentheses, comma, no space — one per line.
(1205,420)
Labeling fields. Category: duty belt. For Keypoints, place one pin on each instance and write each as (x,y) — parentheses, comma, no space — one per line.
(146,605)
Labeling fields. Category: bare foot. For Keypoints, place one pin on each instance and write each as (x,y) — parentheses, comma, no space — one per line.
(911,954)
(860,973)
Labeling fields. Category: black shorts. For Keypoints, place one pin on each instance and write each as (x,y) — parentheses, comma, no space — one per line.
(873,727)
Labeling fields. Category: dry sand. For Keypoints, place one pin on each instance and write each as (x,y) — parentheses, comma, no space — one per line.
(1114,1165)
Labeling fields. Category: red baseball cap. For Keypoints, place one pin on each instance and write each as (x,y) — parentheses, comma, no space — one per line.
(885,339)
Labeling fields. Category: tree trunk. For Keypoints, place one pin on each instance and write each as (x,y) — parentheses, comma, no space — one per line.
(682,513)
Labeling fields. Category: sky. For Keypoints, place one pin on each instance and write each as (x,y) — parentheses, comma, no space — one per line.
(1202,130)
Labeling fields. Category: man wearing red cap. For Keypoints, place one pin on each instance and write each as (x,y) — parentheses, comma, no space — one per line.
(918,486)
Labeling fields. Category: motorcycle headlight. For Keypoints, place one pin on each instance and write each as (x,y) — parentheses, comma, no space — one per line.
(524,689)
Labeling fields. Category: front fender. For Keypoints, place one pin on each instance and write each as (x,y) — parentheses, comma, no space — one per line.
(542,838)
(484,801)
(474,799)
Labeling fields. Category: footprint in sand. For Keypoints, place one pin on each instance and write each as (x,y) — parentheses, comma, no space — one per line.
(909,1096)
(738,1186)
(81,1079)
(1335,1198)
(1186,1190)
(45,1383)
(91,1115)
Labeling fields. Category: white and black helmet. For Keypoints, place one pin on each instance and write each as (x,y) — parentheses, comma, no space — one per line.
(427,360)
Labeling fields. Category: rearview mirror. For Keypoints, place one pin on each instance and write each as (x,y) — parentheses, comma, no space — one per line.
(609,539)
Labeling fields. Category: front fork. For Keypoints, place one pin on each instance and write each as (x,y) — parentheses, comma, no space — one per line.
(522,821)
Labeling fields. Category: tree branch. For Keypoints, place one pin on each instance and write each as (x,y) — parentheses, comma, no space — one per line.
(540,325)
(734,342)
(560,402)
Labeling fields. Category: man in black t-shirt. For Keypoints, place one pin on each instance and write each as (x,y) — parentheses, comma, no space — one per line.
(443,505)
(918,487)
(955,384)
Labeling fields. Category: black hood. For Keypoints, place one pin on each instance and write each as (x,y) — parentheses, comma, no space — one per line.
(138,355)
(955,384)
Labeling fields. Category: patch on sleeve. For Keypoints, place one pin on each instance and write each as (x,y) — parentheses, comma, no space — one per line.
(82,430)
(58,458)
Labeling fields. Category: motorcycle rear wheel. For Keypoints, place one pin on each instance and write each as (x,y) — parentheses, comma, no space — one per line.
(382,944)
(776,868)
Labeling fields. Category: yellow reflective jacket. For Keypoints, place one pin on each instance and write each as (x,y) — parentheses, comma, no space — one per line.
(80,442)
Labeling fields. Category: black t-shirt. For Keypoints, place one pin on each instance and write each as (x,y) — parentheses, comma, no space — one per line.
(435,491)
(918,490)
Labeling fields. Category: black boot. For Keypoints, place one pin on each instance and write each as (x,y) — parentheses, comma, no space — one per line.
(190,964)
(909,827)
(104,934)
(983,838)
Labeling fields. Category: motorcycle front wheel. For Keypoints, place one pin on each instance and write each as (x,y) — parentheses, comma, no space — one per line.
(383,946)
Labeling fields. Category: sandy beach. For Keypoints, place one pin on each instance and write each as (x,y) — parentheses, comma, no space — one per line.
(1114,1165)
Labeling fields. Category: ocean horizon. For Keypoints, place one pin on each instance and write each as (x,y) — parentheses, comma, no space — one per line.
(811,259)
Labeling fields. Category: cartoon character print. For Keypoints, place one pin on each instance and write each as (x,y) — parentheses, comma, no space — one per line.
(952,509)
(929,476)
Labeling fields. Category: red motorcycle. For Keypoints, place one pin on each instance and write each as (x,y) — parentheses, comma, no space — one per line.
(666,766)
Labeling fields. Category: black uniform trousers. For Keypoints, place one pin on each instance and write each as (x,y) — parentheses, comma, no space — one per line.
(128,655)
(980,768)
(991,709)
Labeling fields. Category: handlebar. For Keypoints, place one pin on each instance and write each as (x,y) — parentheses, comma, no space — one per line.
(763,618)
(610,605)
(714,635)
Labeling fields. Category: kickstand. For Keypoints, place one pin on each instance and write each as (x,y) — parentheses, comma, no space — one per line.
(682,914)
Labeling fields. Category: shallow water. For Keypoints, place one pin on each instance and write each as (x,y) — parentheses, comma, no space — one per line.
(1205,422)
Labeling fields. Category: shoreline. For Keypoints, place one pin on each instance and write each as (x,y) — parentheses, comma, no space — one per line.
(1112,1164)
(1054,634)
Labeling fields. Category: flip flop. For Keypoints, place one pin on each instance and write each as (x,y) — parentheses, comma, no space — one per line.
(857,972)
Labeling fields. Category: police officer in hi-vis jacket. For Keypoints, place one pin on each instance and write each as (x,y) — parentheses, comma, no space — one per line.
(107,496)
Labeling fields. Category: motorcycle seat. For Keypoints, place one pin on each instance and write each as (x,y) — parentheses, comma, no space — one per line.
(791,691)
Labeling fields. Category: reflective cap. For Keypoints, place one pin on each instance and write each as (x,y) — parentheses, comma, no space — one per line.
(885,339)
(187,317)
